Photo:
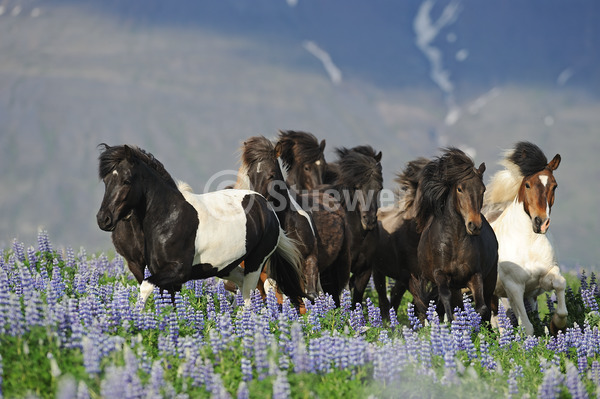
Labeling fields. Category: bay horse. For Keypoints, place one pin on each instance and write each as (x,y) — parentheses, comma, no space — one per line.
(358,182)
(395,251)
(458,248)
(261,170)
(189,236)
(304,158)
(518,203)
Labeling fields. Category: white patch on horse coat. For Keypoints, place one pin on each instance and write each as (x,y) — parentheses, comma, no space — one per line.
(258,167)
(283,168)
(318,163)
(146,289)
(525,261)
(544,180)
(221,235)
(115,172)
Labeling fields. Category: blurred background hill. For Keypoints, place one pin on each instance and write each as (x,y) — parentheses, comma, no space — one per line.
(189,80)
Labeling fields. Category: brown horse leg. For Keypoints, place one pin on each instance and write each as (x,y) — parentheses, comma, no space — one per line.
(381,288)
(311,274)
(482,301)
(445,294)
(361,280)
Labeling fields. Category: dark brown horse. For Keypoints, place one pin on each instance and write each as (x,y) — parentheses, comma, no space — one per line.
(458,248)
(261,171)
(303,156)
(395,252)
(358,182)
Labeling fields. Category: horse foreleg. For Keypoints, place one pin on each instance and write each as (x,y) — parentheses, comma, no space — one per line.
(248,285)
(515,292)
(555,281)
(311,274)
(481,302)
(381,288)
(445,294)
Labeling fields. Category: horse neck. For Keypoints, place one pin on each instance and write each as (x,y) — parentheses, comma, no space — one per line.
(158,196)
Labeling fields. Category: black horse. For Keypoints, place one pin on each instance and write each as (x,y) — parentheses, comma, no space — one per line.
(188,236)
(458,248)
(358,180)
(394,254)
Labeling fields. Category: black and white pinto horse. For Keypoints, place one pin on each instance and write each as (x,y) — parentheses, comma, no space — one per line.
(195,236)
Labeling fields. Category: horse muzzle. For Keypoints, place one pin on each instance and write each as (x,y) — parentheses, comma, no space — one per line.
(105,221)
(540,226)
(473,228)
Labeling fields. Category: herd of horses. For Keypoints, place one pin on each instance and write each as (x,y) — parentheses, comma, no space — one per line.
(309,226)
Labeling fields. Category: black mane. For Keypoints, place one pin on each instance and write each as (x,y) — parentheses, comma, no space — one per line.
(111,156)
(437,179)
(408,181)
(300,146)
(528,157)
(257,149)
(357,166)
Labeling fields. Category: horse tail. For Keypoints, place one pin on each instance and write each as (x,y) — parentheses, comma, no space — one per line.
(285,265)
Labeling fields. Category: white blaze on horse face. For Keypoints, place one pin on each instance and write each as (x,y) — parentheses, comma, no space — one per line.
(115,172)
(318,163)
(544,180)
(258,167)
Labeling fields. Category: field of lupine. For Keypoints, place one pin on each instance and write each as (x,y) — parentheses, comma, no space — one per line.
(70,327)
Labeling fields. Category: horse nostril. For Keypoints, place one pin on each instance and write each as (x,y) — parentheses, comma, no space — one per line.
(537,221)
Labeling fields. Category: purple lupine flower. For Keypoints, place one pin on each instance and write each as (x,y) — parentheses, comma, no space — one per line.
(589,298)
(238,298)
(272,305)
(551,382)
(530,343)
(226,329)
(415,323)
(260,355)
(19,250)
(44,245)
(289,311)
(157,380)
(594,373)
(256,301)
(425,354)
(217,389)
(32,259)
(432,316)
(505,327)
(1,374)
(243,392)
(357,319)
(91,357)
(299,352)
(574,383)
(33,310)
(384,337)
(583,280)
(246,369)
(374,314)
(346,302)
(393,319)
(313,318)
(472,316)
(486,359)
(281,387)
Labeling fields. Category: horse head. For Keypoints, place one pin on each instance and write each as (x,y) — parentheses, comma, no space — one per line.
(121,192)
(361,180)
(304,158)
(469,200)
(537,195)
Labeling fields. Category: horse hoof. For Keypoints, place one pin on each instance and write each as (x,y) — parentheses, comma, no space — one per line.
(554,327)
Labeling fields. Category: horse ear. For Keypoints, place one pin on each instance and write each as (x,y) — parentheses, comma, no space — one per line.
(322,145)
(553,165)
(378,156)
(278,150)
(481,168)
(128,152)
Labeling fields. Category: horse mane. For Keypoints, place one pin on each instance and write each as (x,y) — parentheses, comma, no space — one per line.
(256,149)
(525,159)
(357,166)
(298,146)
(437,179)
(112,156)
(408,182)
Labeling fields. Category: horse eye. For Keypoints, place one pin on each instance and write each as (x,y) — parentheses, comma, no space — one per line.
(527,185)
(306,168)
(127,182)
(459,189)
